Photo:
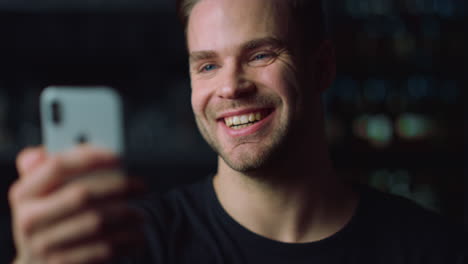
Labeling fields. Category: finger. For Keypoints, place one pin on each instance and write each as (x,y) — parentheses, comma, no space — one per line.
(29,158)
(77,196)
(97,252)
(100,250)
(57,170)
(90,225)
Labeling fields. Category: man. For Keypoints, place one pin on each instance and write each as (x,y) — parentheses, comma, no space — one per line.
(258,70)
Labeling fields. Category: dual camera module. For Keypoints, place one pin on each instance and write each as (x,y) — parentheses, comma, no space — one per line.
(57,118)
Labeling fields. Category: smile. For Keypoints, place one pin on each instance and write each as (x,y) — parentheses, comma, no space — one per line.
(245,120)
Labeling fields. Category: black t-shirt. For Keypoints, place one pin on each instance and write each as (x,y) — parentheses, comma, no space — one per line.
(189,225)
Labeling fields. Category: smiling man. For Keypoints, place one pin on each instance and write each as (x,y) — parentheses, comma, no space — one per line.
(256,98)
(258,69)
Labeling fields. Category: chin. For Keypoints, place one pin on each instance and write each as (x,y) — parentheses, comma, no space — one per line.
(243,166)
(248,160)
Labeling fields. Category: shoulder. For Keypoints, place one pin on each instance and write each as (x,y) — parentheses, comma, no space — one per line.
(177,202)
(391,209)
(174,220)
(398,220)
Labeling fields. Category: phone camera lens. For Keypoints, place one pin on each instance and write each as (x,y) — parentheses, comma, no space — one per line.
(82,139)
(56,113)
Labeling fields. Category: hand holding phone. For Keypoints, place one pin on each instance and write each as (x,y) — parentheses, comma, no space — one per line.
(86,220)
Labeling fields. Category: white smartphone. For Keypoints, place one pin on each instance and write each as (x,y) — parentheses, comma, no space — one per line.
(77,115)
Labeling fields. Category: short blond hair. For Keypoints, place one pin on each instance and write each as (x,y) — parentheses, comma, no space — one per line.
(308,17)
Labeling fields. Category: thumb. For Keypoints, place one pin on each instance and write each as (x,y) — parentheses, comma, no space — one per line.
(29,158)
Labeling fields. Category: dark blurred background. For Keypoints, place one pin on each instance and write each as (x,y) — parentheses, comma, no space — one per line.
(397,113)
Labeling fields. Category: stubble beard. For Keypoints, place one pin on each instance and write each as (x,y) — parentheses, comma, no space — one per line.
(270,153)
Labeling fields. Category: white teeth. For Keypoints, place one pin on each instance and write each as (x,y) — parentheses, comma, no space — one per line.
(244,119)
(258,116)
(238,122)
(241,126)
(228,121)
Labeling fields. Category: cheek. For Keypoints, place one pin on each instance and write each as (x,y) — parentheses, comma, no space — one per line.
(281,80)
(200,98)
(195,98)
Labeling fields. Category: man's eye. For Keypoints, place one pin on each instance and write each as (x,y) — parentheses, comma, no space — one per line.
(208,67)
(262,56)
(262,59)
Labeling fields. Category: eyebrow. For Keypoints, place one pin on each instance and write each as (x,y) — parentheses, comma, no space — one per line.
(248,46)
(202,55)
(262,42)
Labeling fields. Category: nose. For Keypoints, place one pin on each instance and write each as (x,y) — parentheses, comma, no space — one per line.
(235,84)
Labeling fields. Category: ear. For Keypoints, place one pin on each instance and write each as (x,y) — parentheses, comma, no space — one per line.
(326,65)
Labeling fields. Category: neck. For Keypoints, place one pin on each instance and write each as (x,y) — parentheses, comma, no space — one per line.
(299,200)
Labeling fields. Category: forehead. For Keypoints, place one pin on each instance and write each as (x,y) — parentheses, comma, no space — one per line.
(216,24)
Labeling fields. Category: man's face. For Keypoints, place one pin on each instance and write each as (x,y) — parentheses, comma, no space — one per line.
(244,92)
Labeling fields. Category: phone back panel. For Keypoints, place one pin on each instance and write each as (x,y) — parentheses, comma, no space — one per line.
(75,115)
